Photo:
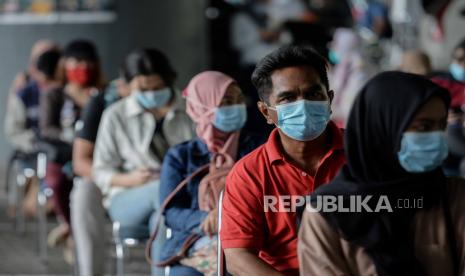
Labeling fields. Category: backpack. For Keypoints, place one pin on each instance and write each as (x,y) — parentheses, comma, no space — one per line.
(210,188)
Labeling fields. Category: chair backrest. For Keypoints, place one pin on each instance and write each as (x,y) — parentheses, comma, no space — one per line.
(221,259)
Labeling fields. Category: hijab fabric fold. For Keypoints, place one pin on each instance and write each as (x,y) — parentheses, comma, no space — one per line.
(380,115)
(203,96)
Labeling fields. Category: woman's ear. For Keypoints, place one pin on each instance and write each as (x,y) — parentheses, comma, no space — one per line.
(262,106)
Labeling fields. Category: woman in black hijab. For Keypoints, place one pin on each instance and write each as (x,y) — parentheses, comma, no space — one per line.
(395,145)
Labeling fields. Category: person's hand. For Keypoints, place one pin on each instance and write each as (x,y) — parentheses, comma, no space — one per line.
(139,177)
(210,225)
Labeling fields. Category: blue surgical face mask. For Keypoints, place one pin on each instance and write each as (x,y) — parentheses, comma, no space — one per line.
(230,118)
(303,120)
(153,98)
(457,71)
(422,152)
(334,57)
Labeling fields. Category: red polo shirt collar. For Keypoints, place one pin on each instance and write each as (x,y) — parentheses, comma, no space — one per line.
(274,148)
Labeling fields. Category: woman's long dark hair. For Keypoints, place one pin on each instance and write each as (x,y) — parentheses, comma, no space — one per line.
(144,62)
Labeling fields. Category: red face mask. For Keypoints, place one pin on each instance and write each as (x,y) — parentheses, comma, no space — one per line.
(82,76)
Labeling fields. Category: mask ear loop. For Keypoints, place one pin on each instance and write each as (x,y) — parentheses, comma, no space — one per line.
(271,107)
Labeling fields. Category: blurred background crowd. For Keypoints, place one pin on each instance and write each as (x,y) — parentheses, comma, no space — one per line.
(49,72)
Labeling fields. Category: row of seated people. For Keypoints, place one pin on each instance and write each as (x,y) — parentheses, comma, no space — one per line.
(119,159)
(44,107)
(132,154)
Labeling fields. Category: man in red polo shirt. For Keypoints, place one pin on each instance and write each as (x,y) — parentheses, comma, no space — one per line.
(302,153)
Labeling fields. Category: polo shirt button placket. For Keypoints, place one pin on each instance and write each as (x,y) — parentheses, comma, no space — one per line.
(304,174)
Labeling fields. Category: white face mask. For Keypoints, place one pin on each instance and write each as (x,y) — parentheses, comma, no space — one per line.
(303,120)
(153,98)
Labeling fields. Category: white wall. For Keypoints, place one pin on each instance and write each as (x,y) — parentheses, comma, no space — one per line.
(177,27)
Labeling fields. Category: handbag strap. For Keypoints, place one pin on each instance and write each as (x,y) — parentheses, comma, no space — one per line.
(153,236)
(218,174)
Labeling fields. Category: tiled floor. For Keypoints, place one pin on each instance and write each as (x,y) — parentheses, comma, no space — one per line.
(18,252)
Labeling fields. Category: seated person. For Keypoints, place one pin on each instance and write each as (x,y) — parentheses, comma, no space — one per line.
(51,96)
(302,153)
(454,79)
(22,113)
(21,125)
(215,103)
(454,82)
(82,69)
(350,72)
(454,165)
(61,108)
(375,18)
(133,137)
(420,229)
(87,211)
(22,78)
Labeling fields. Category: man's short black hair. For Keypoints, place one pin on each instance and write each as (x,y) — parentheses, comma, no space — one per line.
(81,49)
(288,56)
(47,63)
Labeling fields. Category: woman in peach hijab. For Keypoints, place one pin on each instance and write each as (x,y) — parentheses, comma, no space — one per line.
(215,103)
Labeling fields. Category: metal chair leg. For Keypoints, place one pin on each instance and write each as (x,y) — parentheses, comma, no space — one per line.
(169,233)
(220,261)
(20,189)
(119,259)
(41,208)
(42,225)
(12,180)
(22,179)
(9,168)
(13,199)
(119,247)
(75,267)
